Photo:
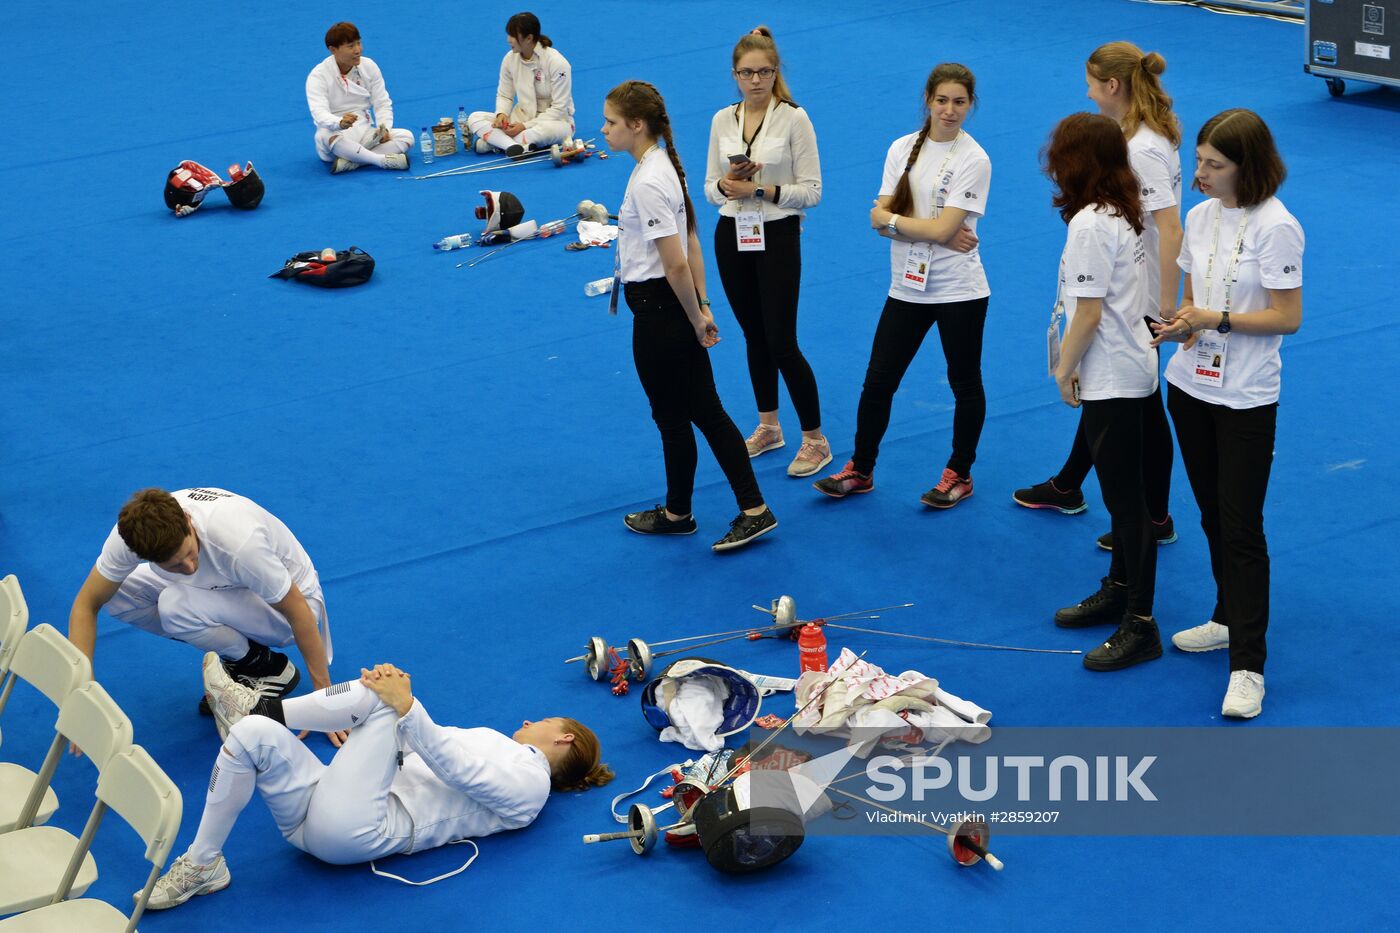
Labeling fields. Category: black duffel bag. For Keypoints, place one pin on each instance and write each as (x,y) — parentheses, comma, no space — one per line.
(351,266)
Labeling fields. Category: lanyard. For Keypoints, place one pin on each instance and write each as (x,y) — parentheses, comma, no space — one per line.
(938,179)
(1230,273)
(740,114)
(617,257)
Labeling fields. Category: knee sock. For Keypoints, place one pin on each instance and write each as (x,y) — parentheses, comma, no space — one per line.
(500,139)
(392,146)
(230,788)
(348,149)
(339,706)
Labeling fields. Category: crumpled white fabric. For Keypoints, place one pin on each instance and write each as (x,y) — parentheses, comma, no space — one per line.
(696,712)
(596,234)
(863,697)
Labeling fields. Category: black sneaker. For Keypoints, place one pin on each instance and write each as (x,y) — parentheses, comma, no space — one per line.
(1135,641)
(269,672)
(1047,496)
(1103,607)
(654,522)
(1165,533)
(744,529)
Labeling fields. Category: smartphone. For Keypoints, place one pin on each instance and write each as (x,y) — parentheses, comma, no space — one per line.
(738,159)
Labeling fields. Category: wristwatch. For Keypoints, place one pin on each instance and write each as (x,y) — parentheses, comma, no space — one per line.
(758,192)
(1224,326)
(892,226)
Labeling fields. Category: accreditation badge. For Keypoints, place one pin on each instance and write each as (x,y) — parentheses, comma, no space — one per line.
(748,229)
(1210,359)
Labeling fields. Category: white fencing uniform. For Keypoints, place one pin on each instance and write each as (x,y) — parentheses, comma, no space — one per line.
(330,95)
(538,93)
(248,559)
(452,784)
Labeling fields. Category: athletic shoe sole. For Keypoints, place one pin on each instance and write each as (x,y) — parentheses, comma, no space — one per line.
(842,495)
(212,887)
(777,446)
(731,545)
(1054,508)
(935,504)
(1243,714)
(1120,665)
(1160,542)
(658,534)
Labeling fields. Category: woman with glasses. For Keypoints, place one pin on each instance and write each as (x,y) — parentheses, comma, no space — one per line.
(763,173)
(934,190)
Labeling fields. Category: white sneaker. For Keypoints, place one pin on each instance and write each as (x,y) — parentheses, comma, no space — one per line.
(1205,637)
(764,438)
(184,880)
(229,700)
(340,166)
(1244,698)
(395,160)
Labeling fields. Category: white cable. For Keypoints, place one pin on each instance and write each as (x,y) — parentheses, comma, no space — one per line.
(418,884)
(625,794)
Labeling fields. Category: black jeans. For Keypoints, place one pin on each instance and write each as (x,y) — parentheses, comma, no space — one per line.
(1228,454)
(1157,452)
(675,372)
(762,289)
(902,328)
(1114,428)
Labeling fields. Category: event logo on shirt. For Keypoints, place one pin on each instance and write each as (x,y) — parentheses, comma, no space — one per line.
(1148,192)
(970,195)
(1086,278)
(653,222)
(1288,270)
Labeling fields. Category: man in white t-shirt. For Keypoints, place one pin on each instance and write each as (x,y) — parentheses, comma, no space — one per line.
(216,571)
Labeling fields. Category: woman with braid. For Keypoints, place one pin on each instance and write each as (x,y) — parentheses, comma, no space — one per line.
(934,190)
(662,273)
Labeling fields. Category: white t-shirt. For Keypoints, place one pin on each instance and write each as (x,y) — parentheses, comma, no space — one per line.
(1271,257)
(965,182)
(653,207)
(241,544)
(1104,258)
(1157,165)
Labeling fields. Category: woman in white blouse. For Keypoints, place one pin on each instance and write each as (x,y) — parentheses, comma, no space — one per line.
(763,172)
(1243,258)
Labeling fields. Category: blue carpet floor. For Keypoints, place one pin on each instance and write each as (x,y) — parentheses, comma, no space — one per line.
(455,448)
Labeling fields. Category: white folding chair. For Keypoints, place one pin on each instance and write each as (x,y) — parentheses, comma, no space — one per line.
(50,663)
(32,860)
(14,619)
(133,785)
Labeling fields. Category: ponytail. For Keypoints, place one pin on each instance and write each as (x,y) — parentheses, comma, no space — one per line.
(637,100)
(527,24)
(1148,103)
(902,200)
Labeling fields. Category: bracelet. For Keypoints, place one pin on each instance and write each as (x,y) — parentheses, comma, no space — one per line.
(777,193)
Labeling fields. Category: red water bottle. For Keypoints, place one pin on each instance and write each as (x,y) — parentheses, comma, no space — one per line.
(811,648)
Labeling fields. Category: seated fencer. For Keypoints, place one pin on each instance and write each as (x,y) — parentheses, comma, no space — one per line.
(351,107)
(217,571)
(401,783)
(534,98)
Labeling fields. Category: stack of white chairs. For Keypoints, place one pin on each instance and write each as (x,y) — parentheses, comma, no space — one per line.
(42,866)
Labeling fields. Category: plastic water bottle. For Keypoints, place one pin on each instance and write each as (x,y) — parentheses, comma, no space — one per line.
(598,287)
(463,131)
(425,143)
(454,242)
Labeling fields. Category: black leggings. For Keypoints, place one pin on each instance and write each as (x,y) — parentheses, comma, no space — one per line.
(762,289)
(1114,430)
(902,328)
(1228,454)
(1157,455)
(675,372)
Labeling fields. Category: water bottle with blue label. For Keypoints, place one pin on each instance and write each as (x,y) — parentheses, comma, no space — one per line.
(425,144)
(463,131)
(454,242)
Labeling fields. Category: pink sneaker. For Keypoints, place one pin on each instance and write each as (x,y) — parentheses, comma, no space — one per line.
(951,490)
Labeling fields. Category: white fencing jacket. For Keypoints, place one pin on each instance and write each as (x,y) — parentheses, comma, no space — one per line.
(518,84)
(330,95)
(459,783)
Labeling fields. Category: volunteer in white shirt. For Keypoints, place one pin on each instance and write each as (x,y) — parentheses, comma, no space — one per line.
(662,273)
(1107,367)
(933,192)
(1125,85)
(401,783)
(534,98)
(763,173)
(1243,258)
(351,108)
(214,570)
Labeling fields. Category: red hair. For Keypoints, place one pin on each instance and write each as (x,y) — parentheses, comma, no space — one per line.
(1087,160)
